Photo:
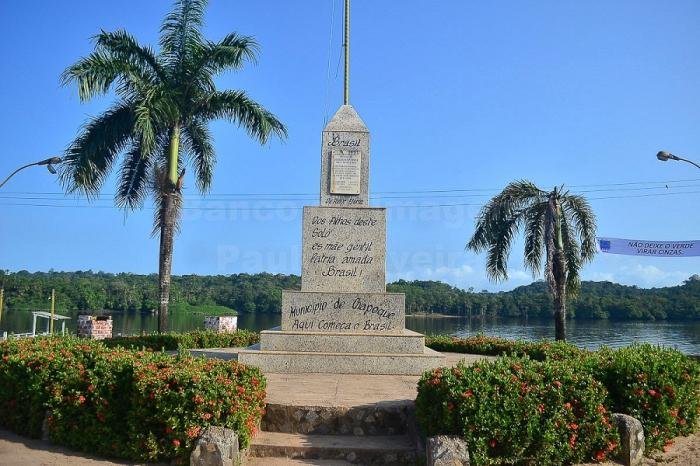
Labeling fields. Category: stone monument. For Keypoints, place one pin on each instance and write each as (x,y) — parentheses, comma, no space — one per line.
(343,320)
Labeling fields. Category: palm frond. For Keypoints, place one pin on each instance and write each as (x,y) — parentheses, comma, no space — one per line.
(534,225)
(88,159)
(550,219)
(572,255)
(238,108)
(583,219)
(124,47)
(197,143)
(214,57)
(514,197)
(181,33)
(134,178)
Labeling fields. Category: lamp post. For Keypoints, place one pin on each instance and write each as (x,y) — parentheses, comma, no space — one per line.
(50,162)
(665,156)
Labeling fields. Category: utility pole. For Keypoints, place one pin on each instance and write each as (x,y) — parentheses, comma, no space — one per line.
(346,47)
(53,310)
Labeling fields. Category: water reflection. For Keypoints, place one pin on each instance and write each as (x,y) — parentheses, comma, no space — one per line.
(589,334)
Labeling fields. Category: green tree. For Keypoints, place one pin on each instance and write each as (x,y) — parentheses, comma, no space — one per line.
(160,119)
(558,225)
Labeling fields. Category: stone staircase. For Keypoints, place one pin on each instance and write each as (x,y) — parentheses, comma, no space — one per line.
(374,434)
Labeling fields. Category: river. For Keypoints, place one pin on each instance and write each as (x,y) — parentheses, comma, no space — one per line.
(684,336)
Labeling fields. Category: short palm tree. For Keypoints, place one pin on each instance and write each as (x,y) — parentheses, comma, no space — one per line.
(558,225)
(159,122)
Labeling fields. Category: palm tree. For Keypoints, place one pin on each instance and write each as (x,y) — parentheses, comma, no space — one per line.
(557,224)
(159,122)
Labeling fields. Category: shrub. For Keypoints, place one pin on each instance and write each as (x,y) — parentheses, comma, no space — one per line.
(196,339)
(516,410)
(659,386)
(494,346)
(140,406)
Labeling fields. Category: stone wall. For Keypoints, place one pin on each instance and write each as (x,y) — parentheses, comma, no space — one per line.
(96,328)
(221,324)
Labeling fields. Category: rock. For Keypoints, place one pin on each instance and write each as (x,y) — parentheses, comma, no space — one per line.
(631,439)
(217,446)
(447,450)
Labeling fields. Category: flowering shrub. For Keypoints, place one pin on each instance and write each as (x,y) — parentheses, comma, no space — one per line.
(195,339)
(659,386)
(517,410)
(494,346)
(141,406)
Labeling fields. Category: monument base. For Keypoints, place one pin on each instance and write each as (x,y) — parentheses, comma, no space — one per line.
(341,353)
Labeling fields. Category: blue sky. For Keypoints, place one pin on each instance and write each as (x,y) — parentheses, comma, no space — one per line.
(458,96)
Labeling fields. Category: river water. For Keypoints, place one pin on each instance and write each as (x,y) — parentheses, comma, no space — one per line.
(684,336)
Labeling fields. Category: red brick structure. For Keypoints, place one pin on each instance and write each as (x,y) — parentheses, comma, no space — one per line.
(96,328)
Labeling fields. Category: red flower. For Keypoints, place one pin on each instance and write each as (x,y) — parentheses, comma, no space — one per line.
(91,388)
(81,399)
(567,406)
(176,443)
(556,383)
(193,432)
(468,394)
(540,408)
(493,443)
(241,390)
(573,426)
(668,445)
(654,393)
(599,455)
(572,440)
(168,430)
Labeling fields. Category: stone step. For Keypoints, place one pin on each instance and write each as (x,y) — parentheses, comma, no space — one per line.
(385,418)
(385,449)
(297,362)
(408,342)
(252,461)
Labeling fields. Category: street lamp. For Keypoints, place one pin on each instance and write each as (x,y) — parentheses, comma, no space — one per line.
(50,162)
(664,156)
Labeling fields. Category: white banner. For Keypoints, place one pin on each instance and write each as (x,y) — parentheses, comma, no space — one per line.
(639,247)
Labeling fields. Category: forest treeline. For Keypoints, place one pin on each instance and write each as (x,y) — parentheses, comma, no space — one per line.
(262,292)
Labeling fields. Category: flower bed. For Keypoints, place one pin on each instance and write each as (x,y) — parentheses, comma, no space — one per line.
(658,386)
(196,339)
(141,406)
(517,410)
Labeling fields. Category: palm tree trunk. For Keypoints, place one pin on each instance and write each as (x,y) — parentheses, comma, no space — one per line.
(559,271)
(167,229)
(165,259)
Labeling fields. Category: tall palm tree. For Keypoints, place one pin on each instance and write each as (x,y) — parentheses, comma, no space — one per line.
(159,122)
(558,225)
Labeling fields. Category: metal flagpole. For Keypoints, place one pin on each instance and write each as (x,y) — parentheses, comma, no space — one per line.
(346,46)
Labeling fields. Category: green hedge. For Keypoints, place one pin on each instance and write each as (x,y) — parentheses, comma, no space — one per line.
(659,386)
(519,411)
(138,405)
(195,339)
(494,346)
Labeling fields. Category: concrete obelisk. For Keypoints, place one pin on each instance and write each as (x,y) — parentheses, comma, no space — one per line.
(343,320)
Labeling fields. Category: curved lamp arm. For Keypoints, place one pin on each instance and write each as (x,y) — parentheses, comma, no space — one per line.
(50,162)
(664,156)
